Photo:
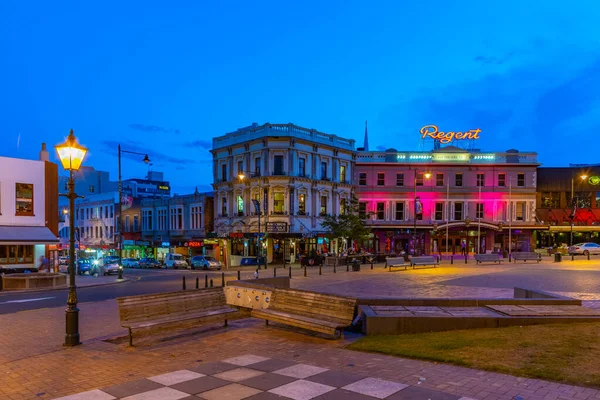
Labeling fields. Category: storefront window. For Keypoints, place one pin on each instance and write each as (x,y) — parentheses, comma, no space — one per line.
(550,200)
(24,199)
(16,254)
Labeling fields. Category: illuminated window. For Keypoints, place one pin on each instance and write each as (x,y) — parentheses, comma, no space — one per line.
(343,173)
(342,206)
(502,180)
(301,204)
(278,203)
(224,206)
(439,179)
(550,200)
(362,179)
(479,210)
(362,210)
(24,199)
(458,211)
(240,167)
(520,211)
(380,179)
(323,205)
(480,179)
(240,205)
(439,211)
(16,254)
(381,211)
(521,180)
(458,180)
(399,180)
(399,211)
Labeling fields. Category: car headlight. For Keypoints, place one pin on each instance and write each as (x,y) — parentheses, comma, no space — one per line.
(95,262)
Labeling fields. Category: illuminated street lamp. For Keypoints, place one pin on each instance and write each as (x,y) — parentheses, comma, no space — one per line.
(426,175)
(256,203)
(71,155)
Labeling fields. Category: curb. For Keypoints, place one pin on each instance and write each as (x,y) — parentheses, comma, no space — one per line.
(7,292)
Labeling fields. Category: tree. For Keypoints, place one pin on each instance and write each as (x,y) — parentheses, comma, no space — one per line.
(349,224)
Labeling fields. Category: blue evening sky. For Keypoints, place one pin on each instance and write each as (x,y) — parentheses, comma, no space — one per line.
(165,77)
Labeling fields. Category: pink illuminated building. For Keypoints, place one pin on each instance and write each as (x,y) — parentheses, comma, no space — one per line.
(458,200)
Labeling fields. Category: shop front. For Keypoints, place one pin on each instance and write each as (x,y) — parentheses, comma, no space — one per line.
(24,248)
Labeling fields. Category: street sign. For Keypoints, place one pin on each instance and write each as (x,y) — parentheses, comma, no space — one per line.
(277,227)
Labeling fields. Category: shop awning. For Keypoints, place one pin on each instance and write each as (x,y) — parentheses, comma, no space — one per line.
(26,235)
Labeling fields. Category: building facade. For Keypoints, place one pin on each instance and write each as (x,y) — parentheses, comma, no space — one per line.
(28,217)
(449,200)
(178,224)
(277,181)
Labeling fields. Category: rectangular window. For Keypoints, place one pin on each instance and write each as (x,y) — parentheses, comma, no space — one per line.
(301,204)
(439,179)
(223,172)
(419,179)
(223,206)
(458,180)
(458,211)
(147,220)
(502,180)
(127,225)
(96,231)
(323,205)
(380,211)
(380,179)
(278,166)
(101,233)
(343,173)
(136,223)
(112,210)
(362,179)
(162,219)
(257,166)
(521,180)
(550,200)
(240,167)
(399,179)
(439,211)
(278,203)
(520,211)
(100,213)
(106,212)
(196,217)
(180,218)
(399,211)
(324,170)
(16,254)
(480,179)
(173,218)
(111,231)
(302,167)
(342,206)
(24,199)
(240,206)
(91,189)
(479,211)
(362,210)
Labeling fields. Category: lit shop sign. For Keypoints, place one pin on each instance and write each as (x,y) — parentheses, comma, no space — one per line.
(433,132)
(163,187)
(594,180)
(194,244)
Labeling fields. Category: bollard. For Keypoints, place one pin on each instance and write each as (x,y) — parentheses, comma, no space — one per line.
(334,268)
(572,257)
(347,267)
(305,270)
(371,263)
(451,259)
(223,279)
(239,276)
(320,272)
(509,257)
(275,272)
(205,281)
(290,272)
(588,256)
(197,283)
(184,283)
(466,258)
(211,283)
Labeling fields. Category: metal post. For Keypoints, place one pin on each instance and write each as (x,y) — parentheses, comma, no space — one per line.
(239,276)
(275,272)
(335,262)
(466,255)
(415,216)
(290,272)
(120,224)
(320,272)
(451,258)
(572,216)
(205,281)
(223,279)
(588,255)
(183,282)
(72,312)
(305,270)
(197,283)
(211,283)
(371,263)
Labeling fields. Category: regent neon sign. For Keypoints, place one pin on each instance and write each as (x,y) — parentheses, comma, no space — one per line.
(594,180)
(433,132)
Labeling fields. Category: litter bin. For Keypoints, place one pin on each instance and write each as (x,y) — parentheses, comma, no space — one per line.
(557,257)
(355,265)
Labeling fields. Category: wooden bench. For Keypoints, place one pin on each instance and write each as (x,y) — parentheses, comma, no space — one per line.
(524,256)
(309,310)
(147,311)
(424,260)
(492,257)
(393,262)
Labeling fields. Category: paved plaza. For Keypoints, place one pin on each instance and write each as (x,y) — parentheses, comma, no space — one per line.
(34,365)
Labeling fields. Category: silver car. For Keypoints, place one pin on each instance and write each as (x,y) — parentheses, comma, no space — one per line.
(584,248)
(205,262)
(106,266)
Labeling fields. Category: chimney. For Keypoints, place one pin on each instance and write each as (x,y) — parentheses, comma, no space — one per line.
(44,155)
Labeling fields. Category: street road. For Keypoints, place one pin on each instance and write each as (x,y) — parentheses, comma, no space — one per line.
(143,281)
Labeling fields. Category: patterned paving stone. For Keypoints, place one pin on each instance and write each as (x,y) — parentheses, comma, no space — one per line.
(200,385)
(234,391)
(91,395)
(341,394)
(302,390)
(266,396)
(159,394)
(272,364)
(211,368)
(245,360)
(267,381)
(300,371)
(421,393)
(131,388)
(375,387)
(335,378)
(238,374)
(176,377)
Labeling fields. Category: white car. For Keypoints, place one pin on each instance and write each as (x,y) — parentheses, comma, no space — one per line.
(173,260)
(584,248)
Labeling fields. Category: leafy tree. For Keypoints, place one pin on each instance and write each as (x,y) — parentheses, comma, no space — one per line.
(350,224)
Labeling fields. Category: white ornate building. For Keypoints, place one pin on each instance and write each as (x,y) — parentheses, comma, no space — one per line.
(297,175)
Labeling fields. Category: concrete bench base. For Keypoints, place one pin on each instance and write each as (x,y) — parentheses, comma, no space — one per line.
(33,281)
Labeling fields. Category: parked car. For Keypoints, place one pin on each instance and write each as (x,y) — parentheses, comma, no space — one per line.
(131,263)
(173,260)
(106,265)
(149,262)
(84,265)
(584,248)
(205,262)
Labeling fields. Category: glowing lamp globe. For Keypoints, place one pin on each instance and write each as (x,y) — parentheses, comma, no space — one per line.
(71,153)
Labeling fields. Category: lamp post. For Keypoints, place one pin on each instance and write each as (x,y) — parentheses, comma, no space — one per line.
(573,204)
(257,207)
(426,175)
(71,155)
(120,226)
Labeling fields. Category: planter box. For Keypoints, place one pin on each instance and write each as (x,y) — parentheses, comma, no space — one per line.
(33,281)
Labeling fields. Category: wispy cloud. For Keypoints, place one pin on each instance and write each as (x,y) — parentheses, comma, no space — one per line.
(137,147)
(153,129)
(199,144)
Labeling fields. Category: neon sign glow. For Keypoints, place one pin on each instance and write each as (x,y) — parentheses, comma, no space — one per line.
(433,132)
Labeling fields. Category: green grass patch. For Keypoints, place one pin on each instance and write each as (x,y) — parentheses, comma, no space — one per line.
(567,353)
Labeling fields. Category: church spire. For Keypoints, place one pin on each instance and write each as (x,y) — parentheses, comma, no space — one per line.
(366,144)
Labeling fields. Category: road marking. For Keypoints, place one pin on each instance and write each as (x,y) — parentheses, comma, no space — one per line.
(26,300)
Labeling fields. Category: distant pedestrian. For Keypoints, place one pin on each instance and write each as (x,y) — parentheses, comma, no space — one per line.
(256,274)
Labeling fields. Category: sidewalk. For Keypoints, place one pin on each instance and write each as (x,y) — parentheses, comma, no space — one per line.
(80,281)
(34,365)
